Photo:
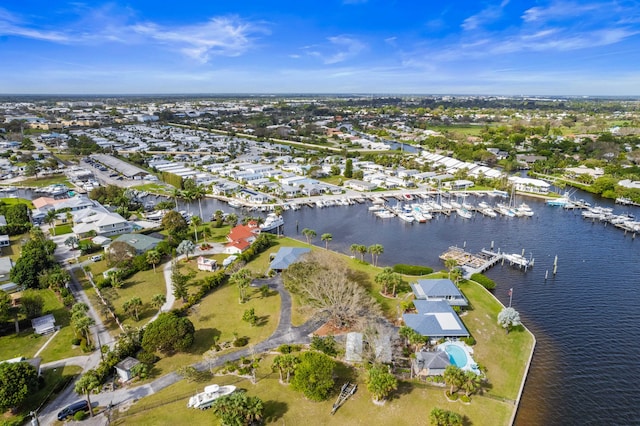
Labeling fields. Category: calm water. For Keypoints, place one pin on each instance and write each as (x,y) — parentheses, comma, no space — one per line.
(585,318)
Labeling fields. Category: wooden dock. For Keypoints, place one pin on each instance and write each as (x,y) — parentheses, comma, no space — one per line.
(472,263)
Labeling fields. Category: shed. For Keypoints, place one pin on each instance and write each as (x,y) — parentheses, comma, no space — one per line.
(205,264)
(10,287)
(44,324)
(123,368)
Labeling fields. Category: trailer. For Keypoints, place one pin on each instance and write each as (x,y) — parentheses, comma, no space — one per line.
(346,391)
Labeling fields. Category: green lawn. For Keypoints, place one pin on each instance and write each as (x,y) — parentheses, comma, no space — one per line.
(43,181)
(218,316)
(27,342)
(410,405)
(63,229)
(13,251)
(504,355)
(13,201)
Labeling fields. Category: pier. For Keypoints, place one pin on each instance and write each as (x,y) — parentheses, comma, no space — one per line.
(472,263)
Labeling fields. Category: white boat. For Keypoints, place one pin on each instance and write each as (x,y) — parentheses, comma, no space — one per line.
(524,210)
(504,210)
(455,204)
(205,399)
(235,204)
(488,211)
(518,260)
(464,213)
(272,222)
(407,217)
(376,208)
(384,214)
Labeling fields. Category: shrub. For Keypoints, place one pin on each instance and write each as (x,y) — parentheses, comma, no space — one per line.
(484,281)
(326,345)
(465,398)
(469,340)
(146,357)
(240,341)
(404,269)
(79,416)
(287,349)
(76,341)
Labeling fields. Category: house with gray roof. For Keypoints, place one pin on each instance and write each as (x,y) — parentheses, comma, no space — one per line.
(439,289)
(432,363)
(142,243)
(287,256)
(436,319)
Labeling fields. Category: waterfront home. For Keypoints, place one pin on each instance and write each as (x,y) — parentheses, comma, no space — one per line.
(287,256)
(535,186)
(436,319)
(241,236)
(429,363)
(439,289)
(359,185)
(97,222)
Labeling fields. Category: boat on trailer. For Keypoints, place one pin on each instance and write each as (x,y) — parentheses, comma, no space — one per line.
(204,400)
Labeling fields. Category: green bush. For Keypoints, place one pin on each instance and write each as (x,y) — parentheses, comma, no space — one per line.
(484,281)
(415,270)
(465,398)
(287,349)
(469,340)
(240,341)
(326,345)
(76,341)
(79,416)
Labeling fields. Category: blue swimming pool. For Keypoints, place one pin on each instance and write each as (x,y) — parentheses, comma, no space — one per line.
(457,355)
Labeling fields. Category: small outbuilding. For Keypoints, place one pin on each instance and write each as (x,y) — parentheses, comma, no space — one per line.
(205,264)
(431,363)
(123,368)
(353,345)
(44,324)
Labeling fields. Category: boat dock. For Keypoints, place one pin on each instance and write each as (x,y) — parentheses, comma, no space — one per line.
(472,263)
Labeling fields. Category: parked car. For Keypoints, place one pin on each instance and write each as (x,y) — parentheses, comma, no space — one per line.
(72,409)
(96,258)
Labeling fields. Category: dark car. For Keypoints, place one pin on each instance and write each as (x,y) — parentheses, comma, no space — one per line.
(72,409)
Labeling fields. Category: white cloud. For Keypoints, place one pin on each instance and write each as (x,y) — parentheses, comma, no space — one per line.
(339,49)
(219,36)
(485,16)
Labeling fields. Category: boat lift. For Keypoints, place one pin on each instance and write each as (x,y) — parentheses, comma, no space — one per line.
(347,390)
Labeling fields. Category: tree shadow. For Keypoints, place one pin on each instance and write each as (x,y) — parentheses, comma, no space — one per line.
(262,321)
(204,339)
(404,388)
(274,410)
(360,278)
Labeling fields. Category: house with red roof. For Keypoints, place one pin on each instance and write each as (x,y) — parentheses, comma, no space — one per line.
(241,236)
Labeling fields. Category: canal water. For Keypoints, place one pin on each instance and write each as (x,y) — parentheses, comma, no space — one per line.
(585,318)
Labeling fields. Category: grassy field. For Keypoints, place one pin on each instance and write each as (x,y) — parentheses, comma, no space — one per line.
(43,181)
(63,229)
(504,355)
(218,316)
(13,201)
(27,343)
(409,405)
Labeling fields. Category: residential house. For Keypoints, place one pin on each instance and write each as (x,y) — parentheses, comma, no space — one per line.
(4,241)
(432,363)
(140,242)
(241,236)
(436,319)
(439,289)
(98,222)
(5,268)
(44,324)
(287,256)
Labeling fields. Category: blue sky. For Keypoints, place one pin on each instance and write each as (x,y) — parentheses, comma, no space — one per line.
(579,47)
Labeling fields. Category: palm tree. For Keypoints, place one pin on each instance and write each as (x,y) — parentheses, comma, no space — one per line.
(186,247)
(326,238)
(158,300)
(132,306)
(176,193)
(387,278)
(450,264)
(242,279)
(50,219)
(153,257)
(453,377)
(198,194)
(285,364)
(471,382)
(309,234)
(232,219)
(87,384)
(362,249)
(456,275)
(196,221)
(353,249)
(376,250)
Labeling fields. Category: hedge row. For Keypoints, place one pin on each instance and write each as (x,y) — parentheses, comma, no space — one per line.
(416,270)
(487,283)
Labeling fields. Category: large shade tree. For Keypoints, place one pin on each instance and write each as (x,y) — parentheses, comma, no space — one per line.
(18,380)
(314,376)
(509,318)
(168,334)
